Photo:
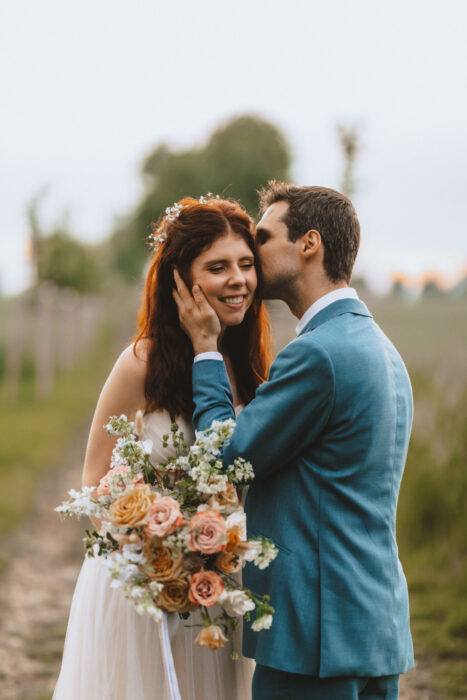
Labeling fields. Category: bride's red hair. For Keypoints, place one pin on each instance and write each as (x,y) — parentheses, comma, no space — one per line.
(169,351)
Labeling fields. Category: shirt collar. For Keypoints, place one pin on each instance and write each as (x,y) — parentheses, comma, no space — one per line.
(322,302)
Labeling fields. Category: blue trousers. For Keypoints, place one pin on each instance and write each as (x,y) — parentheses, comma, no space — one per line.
(272,684)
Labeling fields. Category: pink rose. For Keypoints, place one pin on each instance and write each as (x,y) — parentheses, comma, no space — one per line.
(164,517)
(104,487)
(206,588)
(207,529)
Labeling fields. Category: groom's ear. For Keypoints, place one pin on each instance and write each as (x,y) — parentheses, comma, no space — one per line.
(310,243)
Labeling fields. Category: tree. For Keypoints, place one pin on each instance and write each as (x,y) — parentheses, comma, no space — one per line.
(66,262)
(350,145)
(239,157)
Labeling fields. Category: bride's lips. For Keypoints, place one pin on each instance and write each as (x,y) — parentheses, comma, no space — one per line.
(235,301)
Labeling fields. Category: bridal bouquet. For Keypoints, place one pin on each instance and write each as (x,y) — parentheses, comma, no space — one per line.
(173,535)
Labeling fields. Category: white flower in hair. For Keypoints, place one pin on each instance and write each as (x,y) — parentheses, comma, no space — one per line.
(171,214)
(206,197)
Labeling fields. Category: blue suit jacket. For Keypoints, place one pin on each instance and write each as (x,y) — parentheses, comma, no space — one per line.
(327,436)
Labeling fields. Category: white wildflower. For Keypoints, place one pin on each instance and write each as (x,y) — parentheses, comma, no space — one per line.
(236,602)
(266,554)
(262,623)
(237,521)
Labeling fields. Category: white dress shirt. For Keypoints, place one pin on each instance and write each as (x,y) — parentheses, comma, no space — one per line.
(322,302)
(319,305)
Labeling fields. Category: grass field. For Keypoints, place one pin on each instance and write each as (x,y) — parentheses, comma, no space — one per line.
(35,433)
(432,518)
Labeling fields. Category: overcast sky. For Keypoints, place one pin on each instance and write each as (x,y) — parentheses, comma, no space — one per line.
(87,88)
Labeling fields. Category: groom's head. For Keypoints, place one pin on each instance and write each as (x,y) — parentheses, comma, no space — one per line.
(305,231)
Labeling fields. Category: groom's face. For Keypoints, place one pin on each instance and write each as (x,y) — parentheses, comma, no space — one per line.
(277,253)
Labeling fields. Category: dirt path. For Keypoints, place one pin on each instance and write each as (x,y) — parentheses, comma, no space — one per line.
(36,588)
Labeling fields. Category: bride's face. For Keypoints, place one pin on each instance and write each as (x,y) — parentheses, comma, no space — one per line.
(226,273)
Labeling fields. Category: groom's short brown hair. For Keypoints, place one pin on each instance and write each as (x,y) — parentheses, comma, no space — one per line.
(329,212)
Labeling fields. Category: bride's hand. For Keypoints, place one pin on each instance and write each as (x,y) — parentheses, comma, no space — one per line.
(197,318)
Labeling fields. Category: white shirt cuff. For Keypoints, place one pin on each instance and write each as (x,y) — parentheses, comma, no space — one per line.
(208,356)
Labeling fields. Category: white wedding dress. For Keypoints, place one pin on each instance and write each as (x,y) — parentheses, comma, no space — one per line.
(113,653)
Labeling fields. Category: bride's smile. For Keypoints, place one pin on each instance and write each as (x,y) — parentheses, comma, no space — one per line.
(226,273)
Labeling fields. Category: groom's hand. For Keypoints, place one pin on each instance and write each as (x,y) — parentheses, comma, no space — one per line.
(197,318)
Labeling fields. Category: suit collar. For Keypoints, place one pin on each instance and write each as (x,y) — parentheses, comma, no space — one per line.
(337,308)
(322,302)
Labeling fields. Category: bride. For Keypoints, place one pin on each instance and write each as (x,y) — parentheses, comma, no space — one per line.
(111,652)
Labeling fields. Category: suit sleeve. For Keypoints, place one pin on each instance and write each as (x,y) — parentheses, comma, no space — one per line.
(289,411)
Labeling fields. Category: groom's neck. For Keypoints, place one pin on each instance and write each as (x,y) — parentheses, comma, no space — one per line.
(309,290)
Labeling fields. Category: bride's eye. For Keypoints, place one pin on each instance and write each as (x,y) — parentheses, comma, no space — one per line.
(248,265)
(217,268)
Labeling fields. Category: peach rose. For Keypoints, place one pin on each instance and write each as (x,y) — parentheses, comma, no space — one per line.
(162,566)
(174,596)
(207,530)
(212,637)
(104,487)
(225,500)
(164,517)
(228,562)
(205,588)
(132,508)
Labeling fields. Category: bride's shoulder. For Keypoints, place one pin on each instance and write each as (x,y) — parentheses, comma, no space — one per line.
(133,361)
(128,375)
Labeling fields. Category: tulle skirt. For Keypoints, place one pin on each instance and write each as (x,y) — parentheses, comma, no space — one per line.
(112,653)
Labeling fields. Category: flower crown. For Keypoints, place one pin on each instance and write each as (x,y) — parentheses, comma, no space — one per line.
(171,214)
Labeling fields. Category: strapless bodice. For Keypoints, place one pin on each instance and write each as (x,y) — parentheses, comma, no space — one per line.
(158,423)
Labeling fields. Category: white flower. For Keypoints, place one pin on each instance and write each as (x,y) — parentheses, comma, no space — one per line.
(254,548)
(237,521)
(146,446)
(236,602)
(266,553)
(262,623)
(81,503)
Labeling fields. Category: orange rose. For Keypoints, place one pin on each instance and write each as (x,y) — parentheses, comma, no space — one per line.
(226,500)
(162,566)
(207,530)
(131,509)
(174,596)
(212,637)
(228,562)
(205,588)
(164,517)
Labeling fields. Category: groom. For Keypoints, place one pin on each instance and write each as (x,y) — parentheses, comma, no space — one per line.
(327,436)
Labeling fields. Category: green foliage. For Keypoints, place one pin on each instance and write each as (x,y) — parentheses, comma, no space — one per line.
(239,157)
(66,262)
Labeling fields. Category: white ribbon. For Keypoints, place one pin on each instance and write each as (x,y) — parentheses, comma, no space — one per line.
(167,629)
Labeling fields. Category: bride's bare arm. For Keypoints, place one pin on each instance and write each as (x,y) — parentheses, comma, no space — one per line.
(123,392)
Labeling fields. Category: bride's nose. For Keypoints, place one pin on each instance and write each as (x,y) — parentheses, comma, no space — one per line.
(237,276)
